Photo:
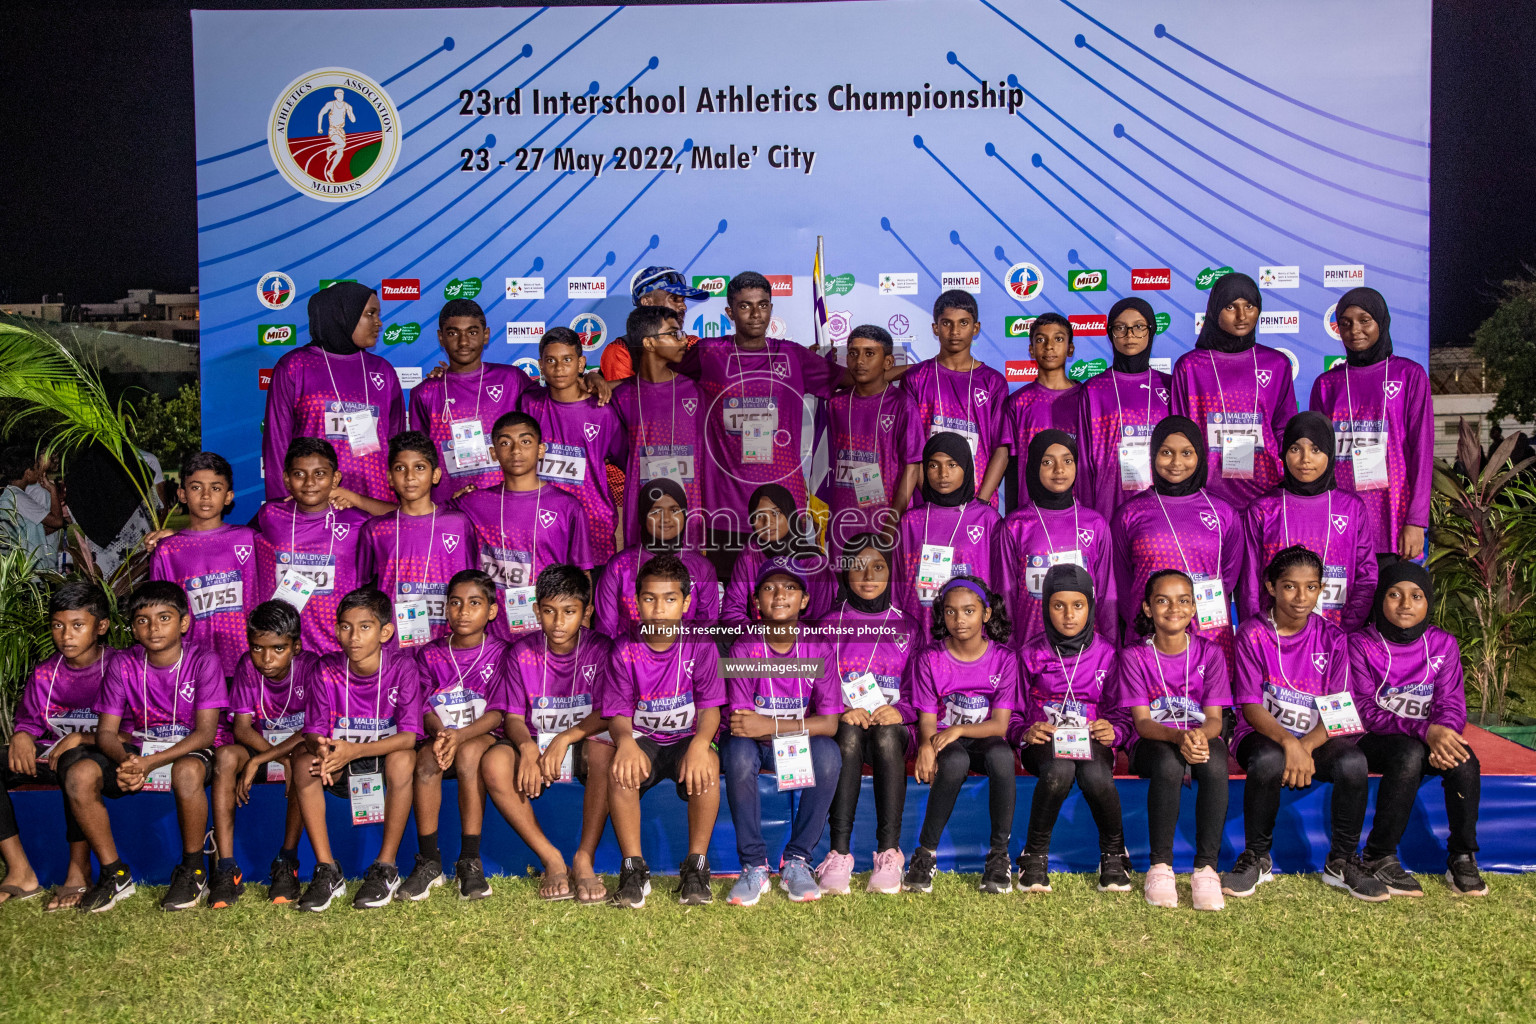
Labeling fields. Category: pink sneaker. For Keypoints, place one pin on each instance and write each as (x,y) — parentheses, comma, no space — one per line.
(834,871)
(1206,884)
(1160,888)
(889,864)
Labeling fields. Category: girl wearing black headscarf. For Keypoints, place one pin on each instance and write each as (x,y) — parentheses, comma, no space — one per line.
(662,506)
(778,530)
(1237,391)
(1052,528)
(1308,509)
(950,534)
(1405,677)
(334,388)
(1380,405)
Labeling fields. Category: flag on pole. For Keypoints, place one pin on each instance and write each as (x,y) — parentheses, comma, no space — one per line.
(819,297)
(819,475)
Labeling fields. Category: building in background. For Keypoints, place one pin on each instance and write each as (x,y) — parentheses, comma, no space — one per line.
(1463,389)
(170,316)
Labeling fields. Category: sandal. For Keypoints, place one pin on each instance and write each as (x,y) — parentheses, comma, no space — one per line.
(550,886)
(15,893)
(590,891)
(66,897)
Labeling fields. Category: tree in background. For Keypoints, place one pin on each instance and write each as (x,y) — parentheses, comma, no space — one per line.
(1507,343)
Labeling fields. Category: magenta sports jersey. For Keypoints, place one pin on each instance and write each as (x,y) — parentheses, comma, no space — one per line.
(1391,398)
(1247,391)
(321,545)
(311,392)
(1406,688)
(1337,528)
(555,692)
(740,604)
(363,709)
(580,439)
(483,395)
(661,692)
(1174,687)
(1066,689)
(665,424)
(743,390)
(1032,540)
(58,700)
(617,609)
(1113,408)
(217,569)
(162,703)
(1031,409)
(275,705)
(883,430)
(965,692)
(412,557)
(780,696)
(1285,673)
(453,679)
(969,401)
(972,530)
(880,643)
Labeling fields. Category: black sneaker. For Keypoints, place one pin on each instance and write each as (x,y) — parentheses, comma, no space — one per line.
(325,885)
(424,877)
(1350,874)
(1034,872)
(693,882)
(997,875)
(108,892)
(187,887)
(634,884)
(1114,873)
(225,888)
(471,875)
(919,877)
(380,882)
(1462,876)
(1250,871)
(284,886)
(1389,872)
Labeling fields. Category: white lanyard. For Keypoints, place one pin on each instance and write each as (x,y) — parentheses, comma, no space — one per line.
(1386,675)
(326,357)
(544,665)
(1046,530)
(1280,650)
(874,648)
(1120,411)
(426,570)
(1157,660)
(175,689)
(1171,529)
(938,388)
(454,662)
(346,694)
(1349,398)
(1285,524)
(879,408)
(101,658)
(330,524)
(533,547)
(928,513)
(1077,663)
(479,390)
(261,699)
(645,438)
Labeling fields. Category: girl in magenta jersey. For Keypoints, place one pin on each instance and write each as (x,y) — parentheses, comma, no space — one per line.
(950,534)
(777,532)
(1116,412)
(1179,524)
(1237,391)
(1052,527)
(663,507)
(1068,728)
(1176,686)
(1382,412)
(333,388)
(1048,401)
(1308,509)
(1405,675)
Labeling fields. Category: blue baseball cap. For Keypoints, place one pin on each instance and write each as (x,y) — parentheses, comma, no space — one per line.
(782,565)
(666,279)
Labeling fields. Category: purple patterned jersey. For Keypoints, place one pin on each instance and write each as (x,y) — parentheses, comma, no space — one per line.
(970,534)
(554,692)
(275,705)
(1175,688)
(162,703)
(482,396)
(458,685)
(968,402)
(965,692)
(617,609)
(881,644)
(1237,393)
(1032,540)
(1406,688)
(1336,527)
(665,425)
(1031,409)
(1284,674)
(580,439)
(1115,410)
(217,569)
(662,692)
(58,700)
(345,705)
(873,439)
(320,545)
(783,696)
(413,558)
(740,605)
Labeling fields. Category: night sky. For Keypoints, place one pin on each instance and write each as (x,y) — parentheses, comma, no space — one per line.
(99,191)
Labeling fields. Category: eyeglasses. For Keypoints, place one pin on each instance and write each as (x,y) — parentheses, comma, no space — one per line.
(668,334)
(1135,331)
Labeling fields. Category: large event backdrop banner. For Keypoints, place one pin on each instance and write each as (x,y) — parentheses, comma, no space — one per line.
(1045,155)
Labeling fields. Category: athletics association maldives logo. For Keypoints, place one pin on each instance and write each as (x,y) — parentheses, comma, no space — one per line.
(334,134)
(1025,281)
(592,330)
(275,290)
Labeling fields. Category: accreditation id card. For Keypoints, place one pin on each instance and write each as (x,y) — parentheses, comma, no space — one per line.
(469,448)
(863,692)
(1071,742)
(567,763)
(159,780)
(933,571)
(792,762)
(367,798)
(294,588)
(1340,718)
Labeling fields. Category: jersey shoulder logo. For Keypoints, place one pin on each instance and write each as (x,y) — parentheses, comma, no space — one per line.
(1085,535)
(1340,523)
(690,405)
(1210,520)
(1320,661)
(1393,388)
(975,533)
(242,552)
(886,422)
(334,134)
(377,378)
(494,390)
(590,430)
(1162,395)
(546,518)
(588,672)
(450,541)
(1264,378)
(340,530)
(980,395)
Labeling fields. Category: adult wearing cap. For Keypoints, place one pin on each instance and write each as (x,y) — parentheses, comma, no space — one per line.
(653,286)
(1383,414)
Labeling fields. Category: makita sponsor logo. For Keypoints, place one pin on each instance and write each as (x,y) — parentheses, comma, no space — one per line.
(782,284)
(1088,324)
(1021,371)
(401,289)
(1151,279)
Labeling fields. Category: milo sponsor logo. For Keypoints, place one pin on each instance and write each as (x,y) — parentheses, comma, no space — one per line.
(1087,280)
(1017,326)
(1208,276)
(715,286)
(277,334)
(467,288)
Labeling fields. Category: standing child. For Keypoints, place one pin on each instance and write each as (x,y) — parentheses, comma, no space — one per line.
(1116,412)
(951,534)
(1049,401)
(663,509)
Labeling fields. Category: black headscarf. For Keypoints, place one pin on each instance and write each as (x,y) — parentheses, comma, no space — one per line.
(333,316)
(652,492)
(1318,429)
(1370,300)
(1402,572)
(874,606)
(957,448)
(1227,290)
(1069,578)
(1038,495)
(1166,428)
(779,495)
(1139,362)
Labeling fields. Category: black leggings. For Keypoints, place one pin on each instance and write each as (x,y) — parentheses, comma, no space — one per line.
(1337,761)
(45,777)
(1055,775)
(991,755)
(1403,762)
(884,748)
(1161,762)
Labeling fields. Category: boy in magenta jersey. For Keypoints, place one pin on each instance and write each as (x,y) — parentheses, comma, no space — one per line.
(1048,401)
(168,696)
(555,733)
(664,509)
(1116,412)
(362,719)
(951,533)
(458,407)
(1383,415)
(779,530)
(662,703)
(524,525)
(411,552)
(876,444)
(1238,392)
(306,549)
(334,388)
(581,438)
(211,560)
(57,711)
(265,727)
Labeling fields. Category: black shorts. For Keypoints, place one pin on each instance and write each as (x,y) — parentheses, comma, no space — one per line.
(666,763)
(342,787)
(46,773)
(109,787)
(578,759)
(262,773)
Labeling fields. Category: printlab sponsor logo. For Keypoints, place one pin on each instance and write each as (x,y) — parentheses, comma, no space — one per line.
(522,331)
(1279,277)
(1017,326)
(1151,279)
(277,334)
(898,284)
(525,287)
(275,290)
(591,329)
(1088,324)
(586,287)
(334,134)
(401,289)
(1087,280)
(1021,371)
(962,280)
(782,284)
(467,288)
(714,286)
(1209,275)
(1024,281)
(1279,321)
(1343,275)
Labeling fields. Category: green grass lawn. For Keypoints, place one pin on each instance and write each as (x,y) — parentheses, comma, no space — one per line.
(1296,951)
